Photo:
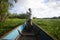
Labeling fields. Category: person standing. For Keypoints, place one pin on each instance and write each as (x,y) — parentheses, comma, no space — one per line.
(28,26)
(29,13)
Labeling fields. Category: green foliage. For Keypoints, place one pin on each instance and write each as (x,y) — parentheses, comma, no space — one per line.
(4,6)
(9,25)
(20,16)
(15,0)
(34,17)
(23,16)
(52,26)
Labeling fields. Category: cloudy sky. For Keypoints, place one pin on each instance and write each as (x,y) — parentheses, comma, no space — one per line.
(40,8)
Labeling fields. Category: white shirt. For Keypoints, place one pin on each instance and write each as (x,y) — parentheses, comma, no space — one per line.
(30,15)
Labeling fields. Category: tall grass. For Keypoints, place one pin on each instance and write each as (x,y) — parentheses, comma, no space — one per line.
(52,26)
(9,24)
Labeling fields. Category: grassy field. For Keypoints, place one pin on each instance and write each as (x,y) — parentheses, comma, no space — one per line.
(9,25)
(52,26)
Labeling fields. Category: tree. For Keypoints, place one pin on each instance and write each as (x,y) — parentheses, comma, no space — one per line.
(15,15)
(34,17)
(22,16)
(4,6)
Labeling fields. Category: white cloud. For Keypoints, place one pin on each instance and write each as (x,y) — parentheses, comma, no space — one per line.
(40,8)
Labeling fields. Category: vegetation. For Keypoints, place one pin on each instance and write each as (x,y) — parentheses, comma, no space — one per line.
(9,25)
(20,16)
(4,7)
(53,17)
(56,17)
(52,26)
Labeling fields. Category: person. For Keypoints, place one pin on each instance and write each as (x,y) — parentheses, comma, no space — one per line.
(29,16)
(28,25)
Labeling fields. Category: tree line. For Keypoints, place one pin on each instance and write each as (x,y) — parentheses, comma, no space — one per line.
(20,16)
(53,18)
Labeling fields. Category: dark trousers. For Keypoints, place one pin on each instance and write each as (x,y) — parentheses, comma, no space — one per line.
(28,26)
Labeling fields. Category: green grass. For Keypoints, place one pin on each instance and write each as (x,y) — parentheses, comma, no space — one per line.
(9,24)
(52,26)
